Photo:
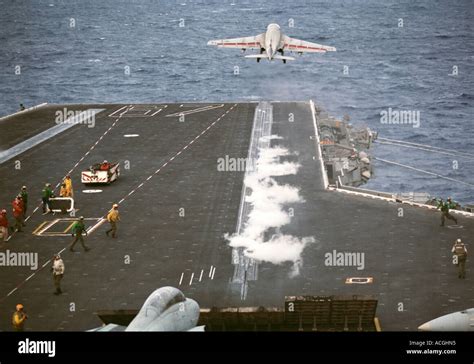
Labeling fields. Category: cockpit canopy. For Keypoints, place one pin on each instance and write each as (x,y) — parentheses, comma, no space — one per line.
(162,299)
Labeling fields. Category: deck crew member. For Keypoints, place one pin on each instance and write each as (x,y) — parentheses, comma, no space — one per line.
(445,207)
(113,217)
(17,205)
(105,166)
(63,192)
(46,194)
(58,273)
(68,183)
(77,229)
(4,224)
(460,251)
(24,197)
(19,318)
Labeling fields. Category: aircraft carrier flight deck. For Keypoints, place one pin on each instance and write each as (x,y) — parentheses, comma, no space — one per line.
(178,210)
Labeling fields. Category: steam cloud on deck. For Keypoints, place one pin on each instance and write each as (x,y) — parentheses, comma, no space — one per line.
(269,201)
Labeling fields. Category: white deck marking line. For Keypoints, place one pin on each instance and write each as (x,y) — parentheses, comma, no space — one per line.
(181,279)
(200,277)
(51,224)
(96,226)
(13,290)
(210,271)
(191,280)
(199,109)
(27,279)
(112,114)
(35,209)
(170,160)
(213,272)
(156,112)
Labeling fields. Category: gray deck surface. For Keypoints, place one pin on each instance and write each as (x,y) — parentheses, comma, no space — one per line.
(408,257)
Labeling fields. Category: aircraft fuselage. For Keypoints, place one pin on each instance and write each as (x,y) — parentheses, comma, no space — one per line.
(272,40)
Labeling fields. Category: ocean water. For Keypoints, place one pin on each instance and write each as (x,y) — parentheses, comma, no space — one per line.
(79,51)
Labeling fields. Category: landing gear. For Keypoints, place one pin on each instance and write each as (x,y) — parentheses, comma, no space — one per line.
(261,51)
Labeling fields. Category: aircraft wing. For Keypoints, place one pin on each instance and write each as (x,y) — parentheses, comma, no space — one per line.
(255,42)
(298,45)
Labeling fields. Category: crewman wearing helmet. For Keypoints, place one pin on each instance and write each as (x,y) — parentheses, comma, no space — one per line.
(77,229)
(445,207)
(58,273)
(460,257)
(4,224)
(19,318)
(68,185)
(113,217)
(105,166)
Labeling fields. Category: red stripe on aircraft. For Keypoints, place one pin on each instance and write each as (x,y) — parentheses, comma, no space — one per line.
(304,47)
(247,44)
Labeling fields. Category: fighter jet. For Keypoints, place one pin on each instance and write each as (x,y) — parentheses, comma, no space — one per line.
(166,309)
(457,321)
(271,42)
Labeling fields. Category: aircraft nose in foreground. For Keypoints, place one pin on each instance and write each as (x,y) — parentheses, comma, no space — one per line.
(457,321)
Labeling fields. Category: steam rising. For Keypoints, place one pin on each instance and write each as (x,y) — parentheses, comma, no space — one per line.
(268,200)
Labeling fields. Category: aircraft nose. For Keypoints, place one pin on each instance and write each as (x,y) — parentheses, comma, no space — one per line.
(425,327)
